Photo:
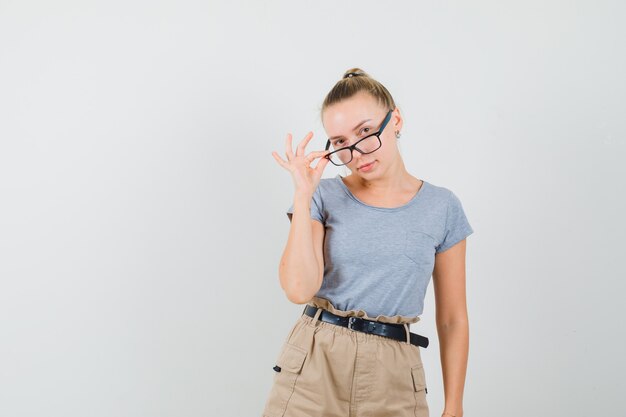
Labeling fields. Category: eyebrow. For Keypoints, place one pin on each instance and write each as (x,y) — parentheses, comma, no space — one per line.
(355,128)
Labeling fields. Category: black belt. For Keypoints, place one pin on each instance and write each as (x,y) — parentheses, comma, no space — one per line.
(393,331)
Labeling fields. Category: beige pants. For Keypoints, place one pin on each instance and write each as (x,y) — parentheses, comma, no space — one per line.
(332,371)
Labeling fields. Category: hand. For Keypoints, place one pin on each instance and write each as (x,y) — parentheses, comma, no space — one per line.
(305,178)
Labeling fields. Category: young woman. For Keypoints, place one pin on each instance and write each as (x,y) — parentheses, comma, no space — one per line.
(360,254)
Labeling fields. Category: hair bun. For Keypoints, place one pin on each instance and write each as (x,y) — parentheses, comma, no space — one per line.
(354,72)
(345,88)
(351,74)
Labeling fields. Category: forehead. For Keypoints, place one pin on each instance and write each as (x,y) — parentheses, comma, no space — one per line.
(340,118)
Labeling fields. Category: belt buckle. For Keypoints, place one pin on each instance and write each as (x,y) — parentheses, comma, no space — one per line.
(362,325)
(351,321)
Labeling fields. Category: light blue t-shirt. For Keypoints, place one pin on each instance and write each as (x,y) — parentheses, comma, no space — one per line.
(379,259)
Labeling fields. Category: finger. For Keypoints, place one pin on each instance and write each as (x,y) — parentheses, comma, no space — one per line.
(321,152)
(317,154)
(289,151)
(303,143)
(321,164)
(278,159)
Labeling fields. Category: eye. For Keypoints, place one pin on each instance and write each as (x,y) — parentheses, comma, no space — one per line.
(364,130)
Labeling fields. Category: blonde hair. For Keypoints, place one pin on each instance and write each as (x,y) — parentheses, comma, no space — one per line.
(353,81)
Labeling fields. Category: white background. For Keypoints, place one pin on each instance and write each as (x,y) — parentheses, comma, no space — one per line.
(142,216)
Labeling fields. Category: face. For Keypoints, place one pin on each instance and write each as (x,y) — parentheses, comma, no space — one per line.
(352,119)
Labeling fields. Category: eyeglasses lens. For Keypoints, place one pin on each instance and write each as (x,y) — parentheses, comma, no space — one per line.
(368,145)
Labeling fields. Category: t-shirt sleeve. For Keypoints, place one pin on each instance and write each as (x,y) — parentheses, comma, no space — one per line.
(317,212)
(457,227)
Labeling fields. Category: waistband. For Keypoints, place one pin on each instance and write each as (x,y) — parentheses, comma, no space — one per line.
(328,305)
(394,331)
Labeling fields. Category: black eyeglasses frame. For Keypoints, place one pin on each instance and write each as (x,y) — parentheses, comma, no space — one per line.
(354,146)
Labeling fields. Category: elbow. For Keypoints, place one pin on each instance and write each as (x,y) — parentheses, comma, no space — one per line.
(299,289)
(297,294)
(297,298)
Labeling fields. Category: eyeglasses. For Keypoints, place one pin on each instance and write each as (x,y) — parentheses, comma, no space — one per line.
(368,144)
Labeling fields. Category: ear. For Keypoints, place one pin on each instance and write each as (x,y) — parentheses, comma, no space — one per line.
(397,120)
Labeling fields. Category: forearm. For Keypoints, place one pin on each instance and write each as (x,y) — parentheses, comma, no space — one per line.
(453,350)
(298,269)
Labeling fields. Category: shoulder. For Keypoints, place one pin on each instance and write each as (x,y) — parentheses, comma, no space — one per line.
(439,193)
(445,199)
(329,181)
(328,185)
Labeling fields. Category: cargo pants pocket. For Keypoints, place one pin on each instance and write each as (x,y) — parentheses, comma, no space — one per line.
(420,390)
(287,370)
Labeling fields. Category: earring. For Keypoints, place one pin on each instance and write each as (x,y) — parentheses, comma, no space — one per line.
(398,134)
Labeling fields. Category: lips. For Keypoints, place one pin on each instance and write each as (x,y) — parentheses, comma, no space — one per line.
(362,166)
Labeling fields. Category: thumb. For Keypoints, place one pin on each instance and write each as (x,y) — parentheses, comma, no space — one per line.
(321,164)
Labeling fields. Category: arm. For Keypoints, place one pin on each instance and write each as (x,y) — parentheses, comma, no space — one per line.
(452,323)
(301,267)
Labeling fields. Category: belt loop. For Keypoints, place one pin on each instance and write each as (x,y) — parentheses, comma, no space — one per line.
(316,316)
(408,333)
